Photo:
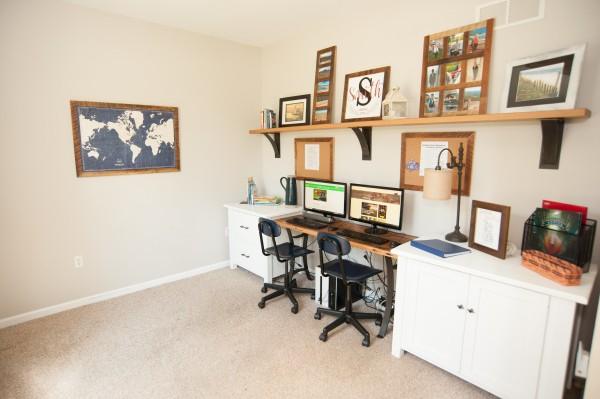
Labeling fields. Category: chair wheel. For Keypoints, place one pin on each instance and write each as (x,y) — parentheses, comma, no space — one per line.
(312,296)
(261,304)
(318,316)
(294,309)
(263,289)
(366,342)
(378,322)
(294,283)
(323,337)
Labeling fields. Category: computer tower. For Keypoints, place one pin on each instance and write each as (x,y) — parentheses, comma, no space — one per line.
(331,292)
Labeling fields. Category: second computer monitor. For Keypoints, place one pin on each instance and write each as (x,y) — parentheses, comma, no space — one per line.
(379,206)
(325,197)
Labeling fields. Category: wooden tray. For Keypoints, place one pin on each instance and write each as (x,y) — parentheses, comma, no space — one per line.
(551,267)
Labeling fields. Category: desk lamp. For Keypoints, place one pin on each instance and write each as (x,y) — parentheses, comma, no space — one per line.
(438,186)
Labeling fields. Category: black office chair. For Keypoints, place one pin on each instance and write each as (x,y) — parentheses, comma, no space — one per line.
(284,253)
(351,273)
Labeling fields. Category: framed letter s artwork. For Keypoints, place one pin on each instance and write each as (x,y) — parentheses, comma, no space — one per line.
(363,94)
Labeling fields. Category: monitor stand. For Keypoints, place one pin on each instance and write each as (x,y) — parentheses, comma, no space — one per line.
(318,217)
(375,230)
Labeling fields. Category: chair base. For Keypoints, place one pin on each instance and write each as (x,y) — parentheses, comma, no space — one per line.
(349,317)
(281,289)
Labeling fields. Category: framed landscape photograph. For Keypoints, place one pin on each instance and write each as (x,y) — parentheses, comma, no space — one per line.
(294,111)
(363,94)
(548,81)
(489,228)
(454,77)
(112,138)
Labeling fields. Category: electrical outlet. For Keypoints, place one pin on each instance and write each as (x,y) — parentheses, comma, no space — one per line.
(78,261)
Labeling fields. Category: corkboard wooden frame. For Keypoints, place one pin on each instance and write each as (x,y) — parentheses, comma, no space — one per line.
(463,60)
(504,224)
(331,87)
(386,82)
(325,172)
(411,153)
(77,137)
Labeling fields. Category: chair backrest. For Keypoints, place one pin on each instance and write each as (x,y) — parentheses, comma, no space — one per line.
(333,244)
(268,227)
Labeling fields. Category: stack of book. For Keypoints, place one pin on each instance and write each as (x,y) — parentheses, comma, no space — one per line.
(267,200)
(267,119)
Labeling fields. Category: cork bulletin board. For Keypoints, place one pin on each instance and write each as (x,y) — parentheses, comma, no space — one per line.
(314,158)
(420,150)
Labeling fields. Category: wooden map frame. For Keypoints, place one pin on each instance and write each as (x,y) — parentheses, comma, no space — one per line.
(442,59)
(411,156)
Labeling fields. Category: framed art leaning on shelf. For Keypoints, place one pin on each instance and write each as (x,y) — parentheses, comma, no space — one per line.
(543,82)
(454,77)
(363,94)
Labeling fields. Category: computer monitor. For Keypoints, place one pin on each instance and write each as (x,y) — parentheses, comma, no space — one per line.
(379,206)
(325,197)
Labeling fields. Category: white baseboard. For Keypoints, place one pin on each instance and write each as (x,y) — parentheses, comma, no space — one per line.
(61,307)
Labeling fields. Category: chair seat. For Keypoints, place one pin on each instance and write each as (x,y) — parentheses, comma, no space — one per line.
(355,273)
(289,251)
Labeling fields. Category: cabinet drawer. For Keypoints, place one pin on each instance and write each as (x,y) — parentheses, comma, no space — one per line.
(248,257)
(243,227)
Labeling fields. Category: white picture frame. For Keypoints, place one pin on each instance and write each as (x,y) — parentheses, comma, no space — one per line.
(560,93)
(364,92)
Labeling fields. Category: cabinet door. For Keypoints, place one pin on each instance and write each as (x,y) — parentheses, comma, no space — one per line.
(504,338)
(435,316)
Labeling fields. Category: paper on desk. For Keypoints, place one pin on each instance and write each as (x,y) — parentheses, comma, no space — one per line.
(311,156)
(429,155)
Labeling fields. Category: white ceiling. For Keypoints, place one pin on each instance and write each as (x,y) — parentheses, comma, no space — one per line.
(255,22)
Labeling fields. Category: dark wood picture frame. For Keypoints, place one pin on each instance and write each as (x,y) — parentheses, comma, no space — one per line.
(77,144)
(323,75)
(411,152)
(503,228)
(383,91)
(326,153)
(305,98)
(466,54)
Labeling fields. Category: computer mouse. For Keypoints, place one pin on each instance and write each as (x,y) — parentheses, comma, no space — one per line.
(394,244)
(332,228)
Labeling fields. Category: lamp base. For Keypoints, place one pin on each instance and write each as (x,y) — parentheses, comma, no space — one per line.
(456,236)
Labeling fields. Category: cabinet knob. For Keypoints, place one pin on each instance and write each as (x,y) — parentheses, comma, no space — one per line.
(470,310)
(244,227)
(460,306)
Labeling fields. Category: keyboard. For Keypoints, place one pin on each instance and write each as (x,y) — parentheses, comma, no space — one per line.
(306,222)
(355,235)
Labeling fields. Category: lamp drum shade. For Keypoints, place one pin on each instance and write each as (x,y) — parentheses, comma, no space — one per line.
(437,184)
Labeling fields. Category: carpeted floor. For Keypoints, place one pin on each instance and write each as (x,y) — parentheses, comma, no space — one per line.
(205,337)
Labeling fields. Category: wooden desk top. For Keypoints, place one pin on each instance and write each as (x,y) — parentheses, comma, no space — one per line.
(384,249)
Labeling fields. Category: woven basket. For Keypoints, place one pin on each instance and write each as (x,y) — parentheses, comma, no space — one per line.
(551,267)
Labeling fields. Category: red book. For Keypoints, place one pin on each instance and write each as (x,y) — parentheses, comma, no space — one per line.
(566,207)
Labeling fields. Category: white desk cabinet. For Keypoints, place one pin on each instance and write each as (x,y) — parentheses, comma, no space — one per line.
(489,321)
(244,243)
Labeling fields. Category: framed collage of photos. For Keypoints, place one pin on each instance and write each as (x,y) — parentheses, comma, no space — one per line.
(456,65)
(324,86)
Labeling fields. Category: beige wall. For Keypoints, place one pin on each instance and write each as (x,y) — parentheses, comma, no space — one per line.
(129,229)
(506,155)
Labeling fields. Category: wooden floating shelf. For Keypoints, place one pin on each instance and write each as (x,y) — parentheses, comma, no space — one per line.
(576,113)
(552,123)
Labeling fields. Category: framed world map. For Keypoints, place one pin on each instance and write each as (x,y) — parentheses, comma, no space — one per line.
(112,138)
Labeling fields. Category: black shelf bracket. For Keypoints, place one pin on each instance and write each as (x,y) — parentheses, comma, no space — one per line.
(364,138)
(552,134)
(275,143)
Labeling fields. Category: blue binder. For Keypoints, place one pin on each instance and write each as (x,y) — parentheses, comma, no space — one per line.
(443,249)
